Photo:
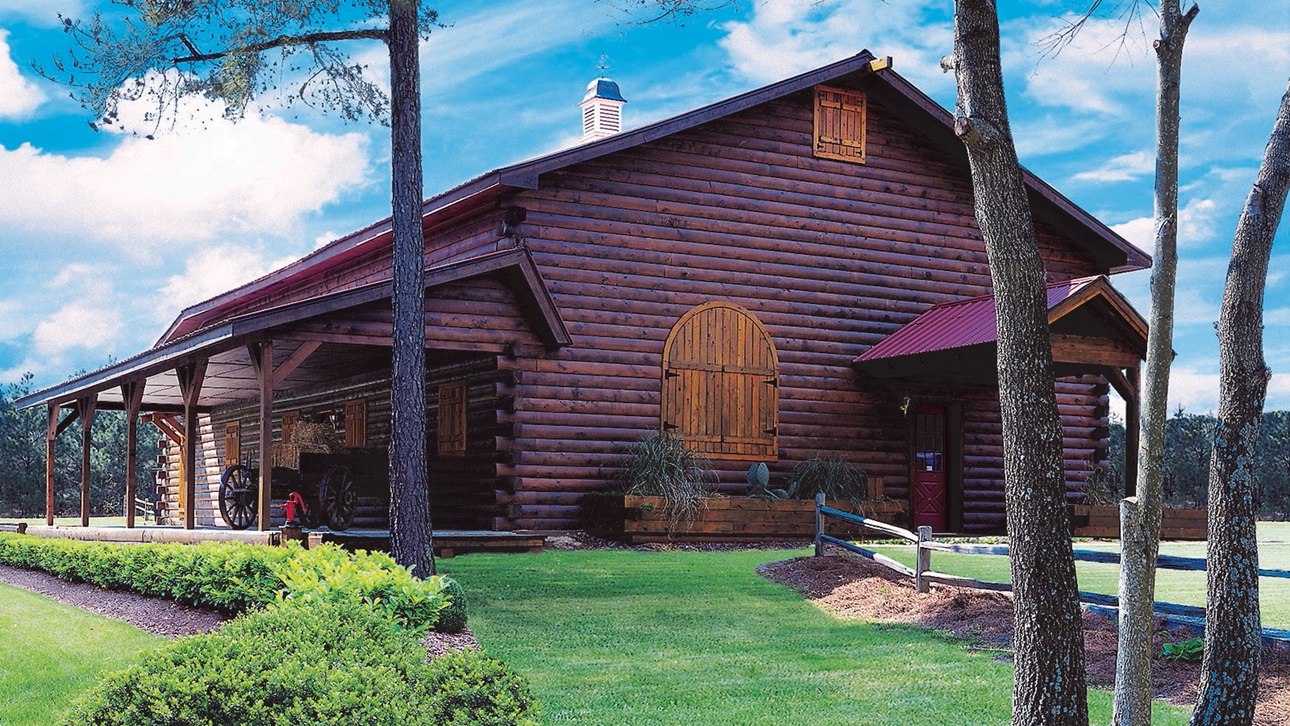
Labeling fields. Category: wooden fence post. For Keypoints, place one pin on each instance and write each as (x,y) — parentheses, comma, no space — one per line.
(923,561)
(819,525)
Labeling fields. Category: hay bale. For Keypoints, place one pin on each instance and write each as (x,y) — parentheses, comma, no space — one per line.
(313,438)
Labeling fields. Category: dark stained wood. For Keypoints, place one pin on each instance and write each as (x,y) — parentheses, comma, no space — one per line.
(190,377)
(262,360)
(51,434)
(132,399)
(85,408)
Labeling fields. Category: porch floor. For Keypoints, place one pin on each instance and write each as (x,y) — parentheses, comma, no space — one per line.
(447,543)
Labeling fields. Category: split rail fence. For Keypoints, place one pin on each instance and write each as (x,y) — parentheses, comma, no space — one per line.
(923,574)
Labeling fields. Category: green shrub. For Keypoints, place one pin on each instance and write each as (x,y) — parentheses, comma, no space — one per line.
(1189,650)
(834,478)
(234,577)
(329,574)
(471,688)
(317,662)
(452,619)
(663,466)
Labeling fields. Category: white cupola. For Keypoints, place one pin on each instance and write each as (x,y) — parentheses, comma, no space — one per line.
(602,110)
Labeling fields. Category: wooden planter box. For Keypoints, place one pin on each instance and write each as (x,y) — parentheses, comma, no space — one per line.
(1187,524)
(637,520)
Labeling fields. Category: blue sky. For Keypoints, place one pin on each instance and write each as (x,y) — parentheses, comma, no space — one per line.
(105,236)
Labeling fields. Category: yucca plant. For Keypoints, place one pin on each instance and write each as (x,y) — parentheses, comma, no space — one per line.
(663,466)
(834,478)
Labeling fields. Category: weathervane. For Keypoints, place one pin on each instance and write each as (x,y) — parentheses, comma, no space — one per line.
(603,65)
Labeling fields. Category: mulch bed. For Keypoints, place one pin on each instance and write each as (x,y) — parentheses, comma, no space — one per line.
(851,587)
(150,614)
(167,618)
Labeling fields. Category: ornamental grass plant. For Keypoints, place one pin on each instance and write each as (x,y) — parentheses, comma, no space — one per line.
(663,466)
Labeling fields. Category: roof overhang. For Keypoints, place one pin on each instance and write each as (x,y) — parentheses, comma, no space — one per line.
(515,267)
(1093,327)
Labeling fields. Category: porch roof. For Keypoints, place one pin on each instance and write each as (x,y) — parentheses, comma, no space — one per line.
(231,376)
(1092,324)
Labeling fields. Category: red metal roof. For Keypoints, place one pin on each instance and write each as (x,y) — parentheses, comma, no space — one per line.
(959,324)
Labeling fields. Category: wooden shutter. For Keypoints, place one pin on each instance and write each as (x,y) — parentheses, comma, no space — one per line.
(839,124)
(356,423)
(720,384)
(232,443)
(289,425)
(452,419)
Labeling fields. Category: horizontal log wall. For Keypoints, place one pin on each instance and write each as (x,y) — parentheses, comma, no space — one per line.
(832,257)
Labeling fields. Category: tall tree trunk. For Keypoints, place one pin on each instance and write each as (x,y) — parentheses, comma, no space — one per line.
(1049,686)
(1140,515)
(410,530)
(1230,672)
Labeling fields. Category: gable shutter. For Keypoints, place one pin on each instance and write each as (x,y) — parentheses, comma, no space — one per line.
(720,385)
(452,419)
(356,423)
(840,117)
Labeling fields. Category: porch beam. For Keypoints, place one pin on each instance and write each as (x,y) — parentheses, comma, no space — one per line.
(51,433)
(289,365)
(132,398)
(262,361)
(85,407)
(67,421)
(190,377)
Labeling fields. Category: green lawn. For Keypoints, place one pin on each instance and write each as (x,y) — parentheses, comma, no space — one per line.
(1184,588)
(615,637)
(51,652)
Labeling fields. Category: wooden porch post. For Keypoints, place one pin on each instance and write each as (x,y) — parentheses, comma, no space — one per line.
(132,398)
(190,377)
(86,407)
(262,360)
(51,433)
(1132,422)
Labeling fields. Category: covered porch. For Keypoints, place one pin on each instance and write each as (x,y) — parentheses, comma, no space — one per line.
(946,359)
(476,309)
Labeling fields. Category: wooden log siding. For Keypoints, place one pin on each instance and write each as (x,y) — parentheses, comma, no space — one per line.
(832,257)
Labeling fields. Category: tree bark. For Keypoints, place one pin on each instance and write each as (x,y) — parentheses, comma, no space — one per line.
(411,535)
(1140,515)
(1230,671)
(1049,685)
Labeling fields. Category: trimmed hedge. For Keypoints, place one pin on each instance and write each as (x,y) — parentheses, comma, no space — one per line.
(234,577)
(318,662)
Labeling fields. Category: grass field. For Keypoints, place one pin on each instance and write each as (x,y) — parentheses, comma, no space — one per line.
(614,637)
(1184,588)
(50,653)
(76,521)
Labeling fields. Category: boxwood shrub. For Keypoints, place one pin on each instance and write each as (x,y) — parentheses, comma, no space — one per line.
(234,577)
(322,662)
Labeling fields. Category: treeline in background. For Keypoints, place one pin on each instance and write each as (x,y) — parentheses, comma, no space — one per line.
(1189,438)
(22,461)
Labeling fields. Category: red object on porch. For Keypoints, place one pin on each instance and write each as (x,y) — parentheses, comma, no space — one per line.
(960,323)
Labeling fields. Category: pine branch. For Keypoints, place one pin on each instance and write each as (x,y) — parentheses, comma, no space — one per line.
(287,40)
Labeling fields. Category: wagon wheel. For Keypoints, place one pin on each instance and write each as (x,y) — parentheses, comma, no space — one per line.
(238,496)
(338,498)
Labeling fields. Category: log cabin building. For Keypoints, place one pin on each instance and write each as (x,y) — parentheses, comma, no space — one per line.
(790,273)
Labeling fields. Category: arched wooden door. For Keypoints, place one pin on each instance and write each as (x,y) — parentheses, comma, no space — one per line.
(721,383)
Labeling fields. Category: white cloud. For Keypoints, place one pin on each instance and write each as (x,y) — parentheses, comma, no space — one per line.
(1093,74)
(1126,167)
(18,96)
(86,323)
(204,179)
(1197,226)
(782,37)
(325,239)
(211,272)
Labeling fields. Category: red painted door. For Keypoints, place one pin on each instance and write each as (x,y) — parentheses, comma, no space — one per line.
(929,468)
